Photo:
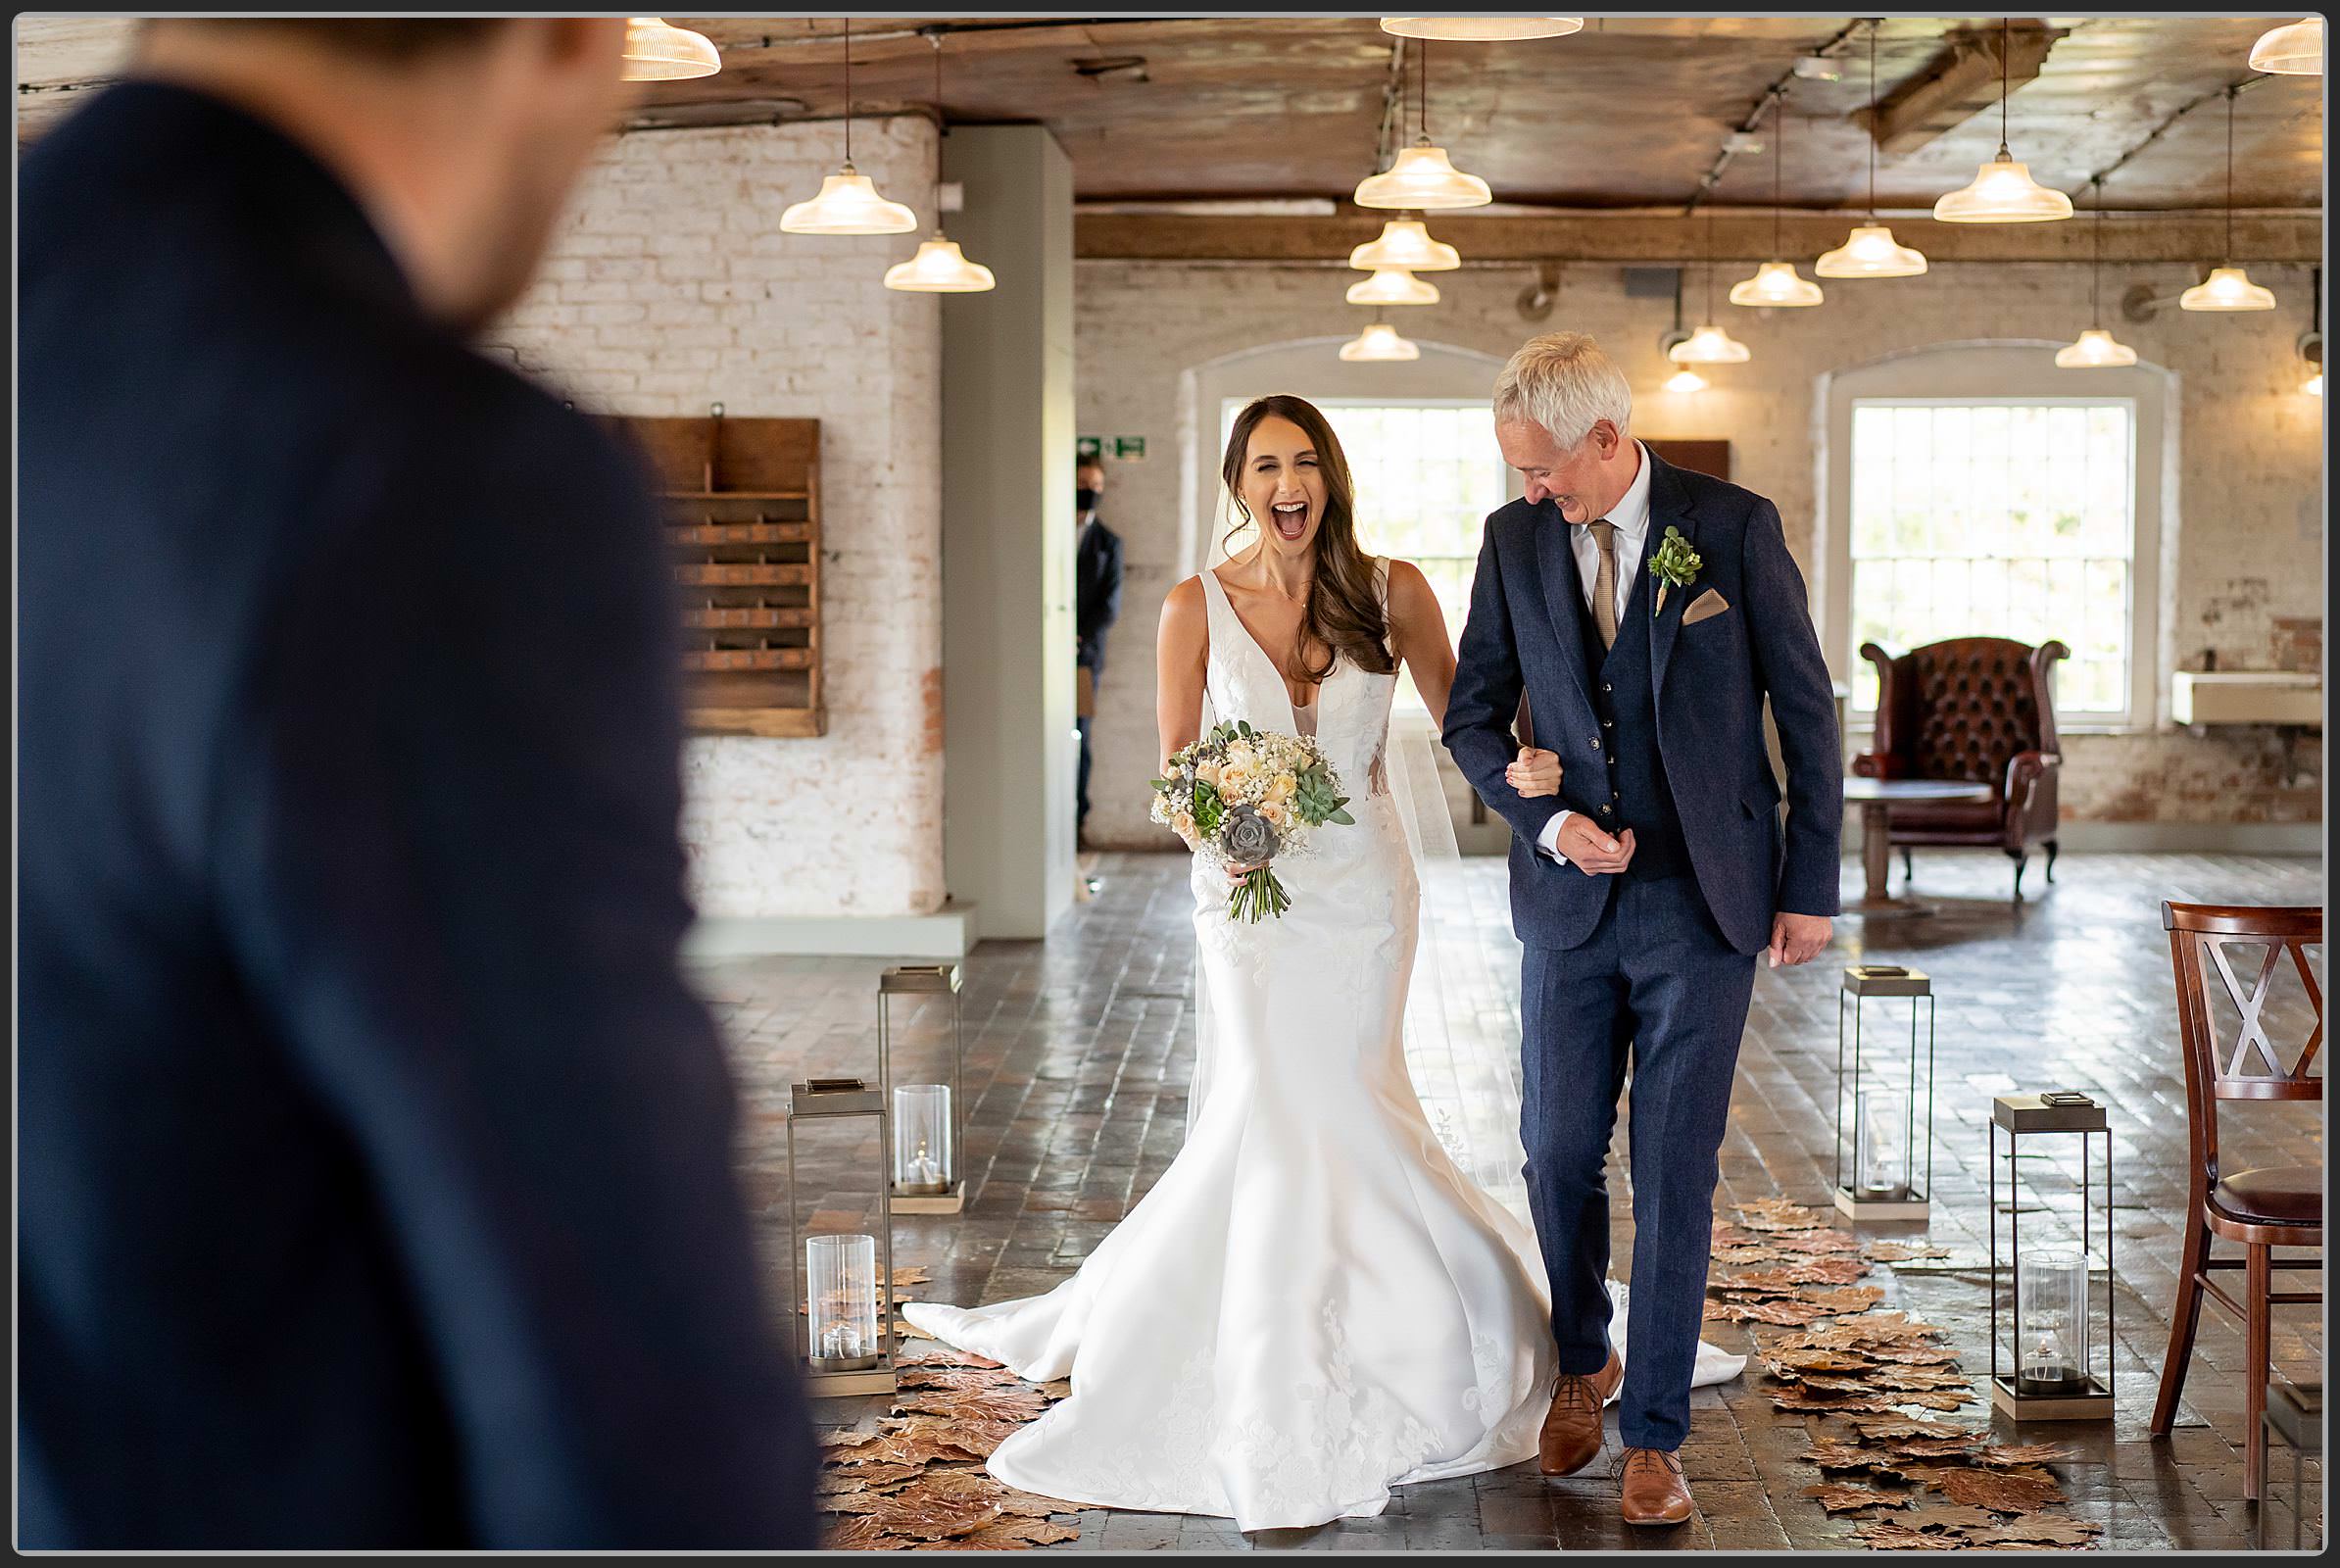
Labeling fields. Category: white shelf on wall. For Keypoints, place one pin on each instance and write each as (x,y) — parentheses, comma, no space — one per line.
(2246,696)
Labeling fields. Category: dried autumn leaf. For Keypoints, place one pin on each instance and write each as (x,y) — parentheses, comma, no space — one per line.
(840,1438)
(1789,1311)
(918,1440)
(960,1378)
(1780,1214)
(1014,1405)
(846,1480)
(1768,1283)
(1845,1297)
(943,1355)
(1922,1377)
(1840,1456)
(2024,1453)
(2000,1490)
(1930,1399)
(859,1532)
(1822,1361)
(1891,1534)
(1794,1399)
(1897,1427)
(903,1328)
(2037,1530)
(1901,1252)
(1840,1498)
(921,1513)
(1816,1242)
(1057,1388)
(1011,1535)
(912,1274)
(976,1486)
(1913,1354)
(1933,1448)
(1953,1516)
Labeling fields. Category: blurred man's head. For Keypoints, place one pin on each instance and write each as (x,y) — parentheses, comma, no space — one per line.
(462,136)
(1088,487)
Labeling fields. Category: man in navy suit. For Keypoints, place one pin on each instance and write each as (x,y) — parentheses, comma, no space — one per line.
(1096,605)
(375,1160)
(1643,892)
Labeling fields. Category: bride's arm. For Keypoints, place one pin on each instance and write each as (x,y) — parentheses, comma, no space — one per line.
(1418,636)
(1181,649)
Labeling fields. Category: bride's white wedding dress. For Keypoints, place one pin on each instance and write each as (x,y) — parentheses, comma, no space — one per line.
(1313,1304)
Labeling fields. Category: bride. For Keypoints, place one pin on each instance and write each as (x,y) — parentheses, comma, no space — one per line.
(1313,1304)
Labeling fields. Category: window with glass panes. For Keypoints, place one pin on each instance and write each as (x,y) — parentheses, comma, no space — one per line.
(1426,474)
(2000,519)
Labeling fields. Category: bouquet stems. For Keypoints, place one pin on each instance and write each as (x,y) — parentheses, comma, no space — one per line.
(1257,896)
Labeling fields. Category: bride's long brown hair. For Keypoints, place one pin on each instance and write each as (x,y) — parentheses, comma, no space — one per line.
(1343,618)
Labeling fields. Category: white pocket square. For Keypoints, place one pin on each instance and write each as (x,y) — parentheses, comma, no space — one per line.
(1707,603)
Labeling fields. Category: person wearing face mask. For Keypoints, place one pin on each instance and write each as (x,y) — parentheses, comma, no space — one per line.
(1097,606)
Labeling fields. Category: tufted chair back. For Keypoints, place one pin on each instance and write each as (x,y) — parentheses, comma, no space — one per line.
(1977,709)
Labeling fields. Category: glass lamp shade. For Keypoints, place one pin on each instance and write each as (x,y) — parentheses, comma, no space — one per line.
(1393,286)
(1685,382)
(1421,178)
(939,268)
(2227,289)
(1881,1146)
(2052,1302)
(1869,252)
(2003,192)
(1380,341)
(1482,29)
(1405,242)
(922,1152)
(656,50)
(1709,345)
(848,204)
(2314,385)
(2094,350)
(841,1302)
(1776,283)
(2296,50)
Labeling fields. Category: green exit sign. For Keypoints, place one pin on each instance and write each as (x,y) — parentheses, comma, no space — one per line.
(1120,448)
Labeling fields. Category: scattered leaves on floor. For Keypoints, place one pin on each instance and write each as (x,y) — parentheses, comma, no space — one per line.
(2000,1490)
(1839,1497)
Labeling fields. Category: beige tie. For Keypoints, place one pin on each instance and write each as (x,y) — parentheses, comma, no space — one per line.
(1604,585)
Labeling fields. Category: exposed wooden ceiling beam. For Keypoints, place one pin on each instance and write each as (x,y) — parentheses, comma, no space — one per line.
(1965,81)
(2271,237)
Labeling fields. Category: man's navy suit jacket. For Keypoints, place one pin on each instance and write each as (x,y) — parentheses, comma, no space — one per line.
(375,1160)
(1525,631)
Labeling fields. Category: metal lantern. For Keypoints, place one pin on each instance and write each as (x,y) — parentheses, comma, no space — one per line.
(2047,1368)
(843,1283)
(925,1172)
(1884,1148)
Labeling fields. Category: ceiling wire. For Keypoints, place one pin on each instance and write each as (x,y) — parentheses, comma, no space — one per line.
(1753,119)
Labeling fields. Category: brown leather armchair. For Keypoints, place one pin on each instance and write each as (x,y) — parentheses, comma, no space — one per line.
(1977,710)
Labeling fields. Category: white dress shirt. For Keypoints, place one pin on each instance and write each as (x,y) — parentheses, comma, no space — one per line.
(1630,516)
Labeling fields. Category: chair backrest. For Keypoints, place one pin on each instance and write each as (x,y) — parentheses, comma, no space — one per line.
(2205,941)
(1961,709)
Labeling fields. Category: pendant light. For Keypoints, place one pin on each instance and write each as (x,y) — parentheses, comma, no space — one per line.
(939,268)
(2002,190)
(1405,242)
(1482,29)
(1870,250)
(1420,178)
(656,50)
(2095,349)
(2227,287)
(847,203)
(1709,344)
(1380,342)
(1686,381)
(1393,286)
(1776,282)
(2296,50)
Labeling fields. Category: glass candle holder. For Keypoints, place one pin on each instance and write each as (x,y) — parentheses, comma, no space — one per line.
(1880,1145)
(841,1302)
(2051,1311)
(922,1151)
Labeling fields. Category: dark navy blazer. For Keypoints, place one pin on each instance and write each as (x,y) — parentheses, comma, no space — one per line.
(376,1182)
(1527,631)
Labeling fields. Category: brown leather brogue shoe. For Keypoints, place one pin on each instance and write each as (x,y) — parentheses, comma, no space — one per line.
(1651,1488)
(1572,1434)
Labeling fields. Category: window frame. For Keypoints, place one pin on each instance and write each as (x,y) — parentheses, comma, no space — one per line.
(2012,375)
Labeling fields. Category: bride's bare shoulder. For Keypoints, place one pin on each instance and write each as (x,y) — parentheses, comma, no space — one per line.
(1408,588)
(1185,614)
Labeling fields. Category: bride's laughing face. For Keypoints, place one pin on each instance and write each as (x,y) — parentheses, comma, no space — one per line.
(1284,486)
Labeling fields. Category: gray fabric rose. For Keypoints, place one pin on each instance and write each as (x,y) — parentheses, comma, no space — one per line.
(1248,838)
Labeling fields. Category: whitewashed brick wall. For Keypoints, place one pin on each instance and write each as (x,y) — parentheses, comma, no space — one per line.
(671,287)
(2250,566)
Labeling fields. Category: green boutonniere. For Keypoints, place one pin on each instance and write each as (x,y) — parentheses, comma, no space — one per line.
(1675,565)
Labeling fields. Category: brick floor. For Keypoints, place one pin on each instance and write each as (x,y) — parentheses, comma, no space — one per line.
(1079,1051)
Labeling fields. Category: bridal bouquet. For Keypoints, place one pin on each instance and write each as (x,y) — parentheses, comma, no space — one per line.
(1240,797)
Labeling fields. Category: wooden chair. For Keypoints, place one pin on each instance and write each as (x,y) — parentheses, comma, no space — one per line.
(1978,711)
(2264,1208)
